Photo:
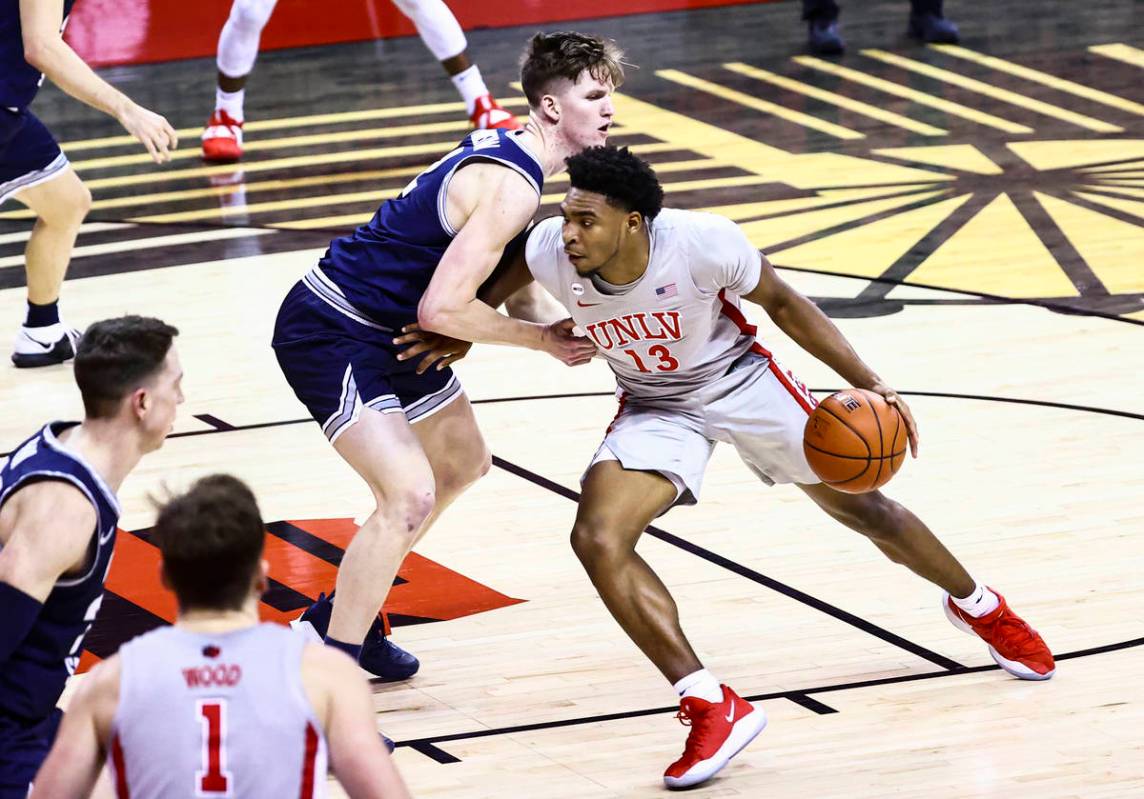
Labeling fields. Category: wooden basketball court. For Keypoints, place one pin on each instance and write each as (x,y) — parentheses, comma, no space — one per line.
(970,216)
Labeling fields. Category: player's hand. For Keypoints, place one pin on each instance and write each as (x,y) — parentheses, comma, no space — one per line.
(433,347)
(153,130)
(895,399)
(559,341)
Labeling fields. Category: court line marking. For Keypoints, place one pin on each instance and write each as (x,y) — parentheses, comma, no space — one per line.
(1004,95)
(757,104)
(129,245)
(1121,52)
(919,97)
(1044,78)
(833,98)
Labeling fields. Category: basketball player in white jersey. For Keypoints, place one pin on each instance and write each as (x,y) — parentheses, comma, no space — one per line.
(238,49)
(658,292)
(219,705)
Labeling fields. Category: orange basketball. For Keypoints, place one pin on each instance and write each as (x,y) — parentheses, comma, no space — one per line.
(855,441)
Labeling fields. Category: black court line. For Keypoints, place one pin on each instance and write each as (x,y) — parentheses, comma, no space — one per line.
(795,695)
(751,574)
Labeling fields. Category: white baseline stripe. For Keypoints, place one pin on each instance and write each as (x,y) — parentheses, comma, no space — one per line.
(89,227)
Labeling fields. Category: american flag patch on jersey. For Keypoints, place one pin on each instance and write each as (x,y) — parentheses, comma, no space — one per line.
(664,292)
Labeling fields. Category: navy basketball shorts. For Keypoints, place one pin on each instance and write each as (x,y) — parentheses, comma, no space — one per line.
(23,748)
(337,366)
(29,154)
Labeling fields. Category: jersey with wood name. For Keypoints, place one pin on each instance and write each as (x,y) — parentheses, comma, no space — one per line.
(679,326)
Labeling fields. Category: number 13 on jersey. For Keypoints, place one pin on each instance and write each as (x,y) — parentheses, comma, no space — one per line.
(658,355)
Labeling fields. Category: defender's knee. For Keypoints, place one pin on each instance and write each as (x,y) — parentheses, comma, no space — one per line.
(598,545)
(404,511)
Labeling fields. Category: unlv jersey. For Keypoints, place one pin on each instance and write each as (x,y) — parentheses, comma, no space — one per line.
(679,326)
(222,715)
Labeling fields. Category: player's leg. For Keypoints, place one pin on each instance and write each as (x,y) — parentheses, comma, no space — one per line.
(443,36)
(631,481)
(60,204)
(455,449)
(237,51)
(969,605)
(616,506)
(384,451)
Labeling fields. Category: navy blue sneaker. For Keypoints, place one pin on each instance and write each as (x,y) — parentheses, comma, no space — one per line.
(933,29)
(823,37)
(379,656)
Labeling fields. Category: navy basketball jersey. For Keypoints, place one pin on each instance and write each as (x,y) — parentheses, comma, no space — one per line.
(378,274)
(19,80)
(33,678)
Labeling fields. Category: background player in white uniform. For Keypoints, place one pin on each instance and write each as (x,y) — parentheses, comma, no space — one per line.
(220,705)
(658,293)
(238,48)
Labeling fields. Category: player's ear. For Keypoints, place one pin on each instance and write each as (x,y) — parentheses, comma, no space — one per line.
(634,222)
(140,402)
(262,578)
(550,108)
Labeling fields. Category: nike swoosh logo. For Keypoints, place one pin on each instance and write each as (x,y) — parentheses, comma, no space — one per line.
(731,713)
(587,304)
(46,347)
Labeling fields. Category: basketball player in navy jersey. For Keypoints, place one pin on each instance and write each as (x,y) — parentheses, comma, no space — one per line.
(58,517)
(412,437)
(218,704)
(34,171)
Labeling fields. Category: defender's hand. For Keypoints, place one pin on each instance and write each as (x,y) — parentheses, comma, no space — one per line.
(433,347)
(561,343)
(153,130)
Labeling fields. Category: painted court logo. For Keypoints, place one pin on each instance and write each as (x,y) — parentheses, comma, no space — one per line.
(303,556)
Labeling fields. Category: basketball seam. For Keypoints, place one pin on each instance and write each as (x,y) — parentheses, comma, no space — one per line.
(861,437)
(855,457)
(881,440)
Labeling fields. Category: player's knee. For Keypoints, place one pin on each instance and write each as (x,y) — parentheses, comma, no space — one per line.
(70,207)
(597,544)
(406,510)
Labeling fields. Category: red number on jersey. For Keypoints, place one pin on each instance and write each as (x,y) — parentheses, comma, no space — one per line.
(212,779)
(666,362)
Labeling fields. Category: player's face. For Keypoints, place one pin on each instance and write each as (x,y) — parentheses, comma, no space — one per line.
(165,394)
(585,111)
(593,230)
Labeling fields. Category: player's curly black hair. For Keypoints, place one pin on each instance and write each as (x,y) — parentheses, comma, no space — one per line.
(626,180)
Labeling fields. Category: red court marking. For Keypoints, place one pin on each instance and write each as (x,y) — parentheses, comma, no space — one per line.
(106,32)
(134,576)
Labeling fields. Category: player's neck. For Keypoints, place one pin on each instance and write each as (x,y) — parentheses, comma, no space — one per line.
(208,620)
(546,144)
(630,263)
(107,447)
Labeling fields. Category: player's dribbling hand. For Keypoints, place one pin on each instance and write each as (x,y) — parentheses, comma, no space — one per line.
(559,341)
(434,348)
(153,130)
(895,399)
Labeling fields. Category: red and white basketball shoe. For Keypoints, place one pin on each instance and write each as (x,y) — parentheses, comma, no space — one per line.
(718,731)
(487,114)
(222,139)
(1017,647)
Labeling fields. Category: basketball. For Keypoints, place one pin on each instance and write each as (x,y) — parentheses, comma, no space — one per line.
(855,441)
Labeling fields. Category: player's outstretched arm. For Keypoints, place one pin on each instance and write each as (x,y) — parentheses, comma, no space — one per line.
(45,529)
(499,211)
(45,49)
(73,765)
(812,330)
(342,702)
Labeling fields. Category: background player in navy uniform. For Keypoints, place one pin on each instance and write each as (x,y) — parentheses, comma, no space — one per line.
(218,704)
(35,171)
(58,516)
(413,438)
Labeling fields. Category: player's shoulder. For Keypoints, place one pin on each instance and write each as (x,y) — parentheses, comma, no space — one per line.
(697,225)
(545,240)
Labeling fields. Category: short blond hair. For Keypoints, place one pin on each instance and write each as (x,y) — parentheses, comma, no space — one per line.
(551,56)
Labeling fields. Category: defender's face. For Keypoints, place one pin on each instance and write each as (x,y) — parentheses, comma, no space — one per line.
(586,110)
(593,230)
(164,395)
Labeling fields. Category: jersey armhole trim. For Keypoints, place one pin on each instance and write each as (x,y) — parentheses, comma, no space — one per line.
(63,477)
(443,191)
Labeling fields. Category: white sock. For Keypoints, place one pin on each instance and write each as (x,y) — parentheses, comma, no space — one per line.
(700,684)
(471,86)
(231,102)
(978,603)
